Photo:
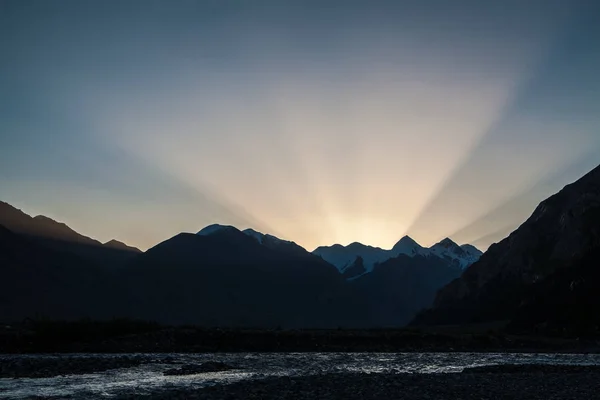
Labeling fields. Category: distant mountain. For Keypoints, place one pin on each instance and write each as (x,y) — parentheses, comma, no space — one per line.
(274,243)
(400,287)
(40,226)
(115,244)
(214,228)
(355,270)
(55,235)
(542,276)
(269,241)
(344,256)
(219,277)
(407,246)
(40,282)
(460,256)
(226,277)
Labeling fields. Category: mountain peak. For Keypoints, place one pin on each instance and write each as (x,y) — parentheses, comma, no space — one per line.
(115,244)
(406,240)
(407,245)
(210,229)
(356,244)
(447,243)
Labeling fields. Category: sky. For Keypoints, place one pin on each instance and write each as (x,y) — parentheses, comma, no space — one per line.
(320,122)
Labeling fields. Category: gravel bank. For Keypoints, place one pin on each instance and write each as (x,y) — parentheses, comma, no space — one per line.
(461,386)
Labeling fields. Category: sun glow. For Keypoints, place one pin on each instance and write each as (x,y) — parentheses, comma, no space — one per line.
(321,127)
(322,162)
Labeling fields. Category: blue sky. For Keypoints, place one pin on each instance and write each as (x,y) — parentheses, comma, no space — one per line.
(317,121)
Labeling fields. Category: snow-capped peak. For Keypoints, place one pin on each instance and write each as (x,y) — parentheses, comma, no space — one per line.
(462,256)
(261,237)
(343,257)
(210,229)
(446,243)
(407,246)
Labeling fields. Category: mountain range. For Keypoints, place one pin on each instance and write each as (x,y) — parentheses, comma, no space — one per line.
(220,276)
(543,278)
(54,235)
(344,257)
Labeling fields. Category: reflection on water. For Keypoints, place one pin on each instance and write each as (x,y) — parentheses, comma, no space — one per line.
(149,376)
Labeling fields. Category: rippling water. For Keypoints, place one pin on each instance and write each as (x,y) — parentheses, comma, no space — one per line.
(149,376)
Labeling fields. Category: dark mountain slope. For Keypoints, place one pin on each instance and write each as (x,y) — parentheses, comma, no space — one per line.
(40,226)
(564,304)
(36,281)
(356,270)
(57,236)
(228,278)
(117,245)
(398,288)
(562,233)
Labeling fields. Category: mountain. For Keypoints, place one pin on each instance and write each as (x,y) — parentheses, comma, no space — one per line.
(356,269)
(274,243)
(39,282)
(214,228)
(460,256)
(546,268)
(219,277)
(58,236)
(344,256)
(407,246)
(115,244)
(400,287)
(226,277)
(40,226)
(269,241)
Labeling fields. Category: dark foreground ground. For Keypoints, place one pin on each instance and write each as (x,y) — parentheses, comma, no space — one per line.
(460,386)
(494,382)
(141,337)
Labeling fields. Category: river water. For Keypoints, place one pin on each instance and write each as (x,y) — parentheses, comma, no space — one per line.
(149,376)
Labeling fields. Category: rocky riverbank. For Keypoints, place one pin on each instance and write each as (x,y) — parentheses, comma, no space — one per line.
(584,385)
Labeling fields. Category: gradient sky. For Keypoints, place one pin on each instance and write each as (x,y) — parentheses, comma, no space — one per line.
(318,121)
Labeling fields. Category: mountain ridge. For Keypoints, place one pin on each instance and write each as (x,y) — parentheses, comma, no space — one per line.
(562,230)
(344,256)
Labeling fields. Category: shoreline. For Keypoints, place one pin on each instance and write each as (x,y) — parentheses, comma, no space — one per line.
(299,377)
(464,386)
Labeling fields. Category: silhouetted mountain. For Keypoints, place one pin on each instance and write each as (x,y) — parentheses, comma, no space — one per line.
(566,303)
(400,287)
(218,277)
(39,282)
(55,235)
(274,243)
(460,256)
(355,270)
(115,244)
(344,256)
(228,278)
(542,273)
(210,229)
(40,226)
